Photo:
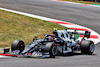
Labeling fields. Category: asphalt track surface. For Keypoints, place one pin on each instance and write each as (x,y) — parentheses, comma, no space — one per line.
(80,14)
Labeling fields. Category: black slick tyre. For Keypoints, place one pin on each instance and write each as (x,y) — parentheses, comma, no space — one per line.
(87,47)
(52,49)
(18,45)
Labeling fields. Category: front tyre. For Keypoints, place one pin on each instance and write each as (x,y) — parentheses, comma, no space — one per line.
(18,45)
(87,47)
(52,49)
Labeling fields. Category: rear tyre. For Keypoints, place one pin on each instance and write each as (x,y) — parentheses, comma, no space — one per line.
(17,45)
(52,49)
(87,47)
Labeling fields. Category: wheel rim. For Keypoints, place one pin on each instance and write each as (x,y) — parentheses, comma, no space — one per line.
(92,47)
(20,46)
(54,50)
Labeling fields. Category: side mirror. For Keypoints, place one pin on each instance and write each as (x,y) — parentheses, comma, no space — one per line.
(35,38)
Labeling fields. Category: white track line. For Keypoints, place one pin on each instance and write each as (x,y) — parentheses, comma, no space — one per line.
(4,56)
(49,19)
(76,3)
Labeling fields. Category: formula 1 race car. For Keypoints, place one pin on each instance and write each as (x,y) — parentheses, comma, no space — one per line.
(60,42)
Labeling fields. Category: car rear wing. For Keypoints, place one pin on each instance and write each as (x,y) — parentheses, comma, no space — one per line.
(79,32)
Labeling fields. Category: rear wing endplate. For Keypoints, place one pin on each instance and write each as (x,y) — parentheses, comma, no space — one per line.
(79,32)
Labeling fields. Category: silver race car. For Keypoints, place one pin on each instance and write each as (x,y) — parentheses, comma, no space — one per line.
(59,43)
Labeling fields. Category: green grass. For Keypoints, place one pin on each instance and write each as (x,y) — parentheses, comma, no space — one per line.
(85,2)
(14,26)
